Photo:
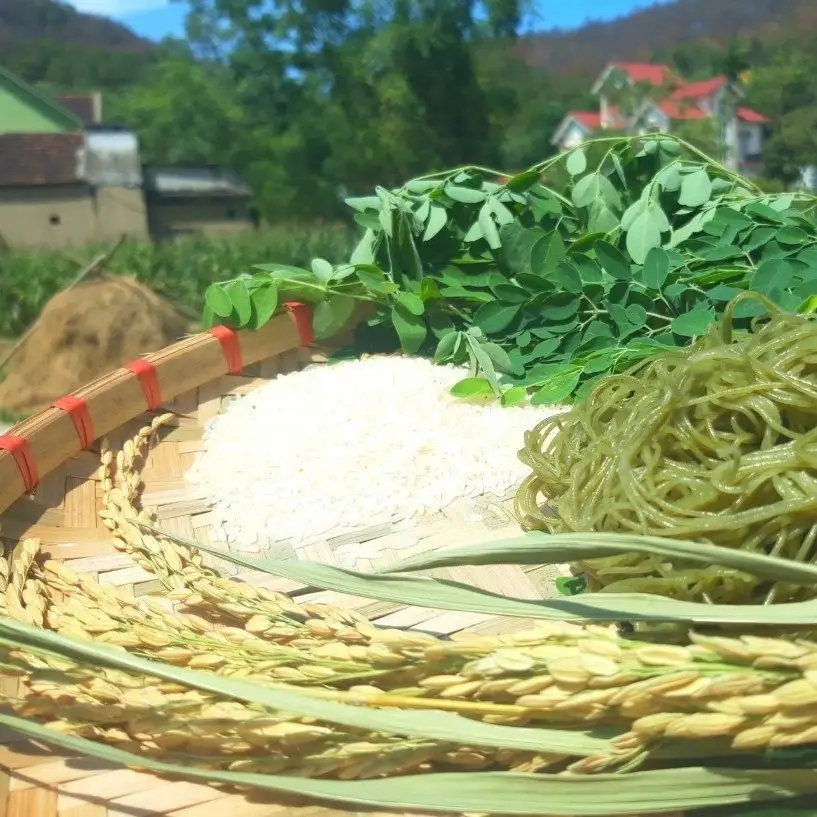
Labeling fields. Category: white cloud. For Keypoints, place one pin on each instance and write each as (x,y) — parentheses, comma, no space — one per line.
(118,8)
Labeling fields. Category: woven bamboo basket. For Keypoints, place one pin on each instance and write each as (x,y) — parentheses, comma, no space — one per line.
(50,489)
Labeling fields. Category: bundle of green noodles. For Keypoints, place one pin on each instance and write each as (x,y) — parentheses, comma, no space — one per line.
(714,442)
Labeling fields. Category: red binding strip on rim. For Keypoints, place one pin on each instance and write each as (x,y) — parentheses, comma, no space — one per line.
(302,316)
(146,372)
(20,449)
(230,348)
(77,409)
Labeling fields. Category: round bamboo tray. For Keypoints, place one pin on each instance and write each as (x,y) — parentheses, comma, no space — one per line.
(50,489)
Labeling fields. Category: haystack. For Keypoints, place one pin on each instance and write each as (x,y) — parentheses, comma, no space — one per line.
(83,333)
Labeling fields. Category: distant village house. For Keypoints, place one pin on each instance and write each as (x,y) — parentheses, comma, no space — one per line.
(68,179)
(640,98)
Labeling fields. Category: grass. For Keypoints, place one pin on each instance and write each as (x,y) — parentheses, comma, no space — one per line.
(179,271)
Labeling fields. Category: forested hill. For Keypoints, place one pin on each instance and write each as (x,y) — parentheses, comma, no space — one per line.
(50,19)
(51,44)
(662,30)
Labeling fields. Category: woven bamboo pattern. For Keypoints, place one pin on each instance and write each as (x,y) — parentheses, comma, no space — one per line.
(63,513)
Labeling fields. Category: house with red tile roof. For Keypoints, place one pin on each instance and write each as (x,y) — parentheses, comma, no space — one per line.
(642,98)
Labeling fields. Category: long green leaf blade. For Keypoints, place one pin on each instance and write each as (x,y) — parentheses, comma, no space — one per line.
(487,792)
(448,595)
(544,548)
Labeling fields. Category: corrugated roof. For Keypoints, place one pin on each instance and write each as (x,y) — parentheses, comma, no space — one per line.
(28,159)
(194,181)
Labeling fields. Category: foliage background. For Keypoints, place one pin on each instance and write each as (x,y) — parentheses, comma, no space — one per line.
(317,100)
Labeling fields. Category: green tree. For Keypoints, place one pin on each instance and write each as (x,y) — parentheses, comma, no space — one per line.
(786,91)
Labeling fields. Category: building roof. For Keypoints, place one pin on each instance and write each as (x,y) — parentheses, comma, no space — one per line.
(85,106)
(194,180)
(645,72)
(749,115)
(66,117)
(677,109)
(28,159)
(698,90)
(587,119)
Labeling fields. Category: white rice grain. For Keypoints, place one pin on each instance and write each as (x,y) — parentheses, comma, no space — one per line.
(337,448)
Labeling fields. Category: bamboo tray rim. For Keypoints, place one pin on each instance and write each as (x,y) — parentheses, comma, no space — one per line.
(41,443)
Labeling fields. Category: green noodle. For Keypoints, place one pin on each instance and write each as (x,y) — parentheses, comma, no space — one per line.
(714,442)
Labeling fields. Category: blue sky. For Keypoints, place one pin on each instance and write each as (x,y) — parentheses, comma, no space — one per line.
(159,18)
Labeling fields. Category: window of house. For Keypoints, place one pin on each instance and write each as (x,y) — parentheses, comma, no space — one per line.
(54,220)
(745,142)
(231,214)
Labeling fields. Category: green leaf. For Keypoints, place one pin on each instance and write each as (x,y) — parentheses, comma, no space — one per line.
(217,298)
(669,178)
(472,387)
(723,292)
(517,243)
(410,328)
(643,235)
(332,316)
(466,195)
(208,317)
(498,356)
(656,268)
(557,388)
(613,261)
(494,317)
(761,210)
(791,235)
(511,294)
(609,195)
(568,277)
(586,190)
(544,548)
(375,280)
(437,220)
(411,302)
(559,307)
(515,396)
(637,315)
(693,323)
(547,252)
(545,347)
(523,181)
(488,226)
(696,189)
(264,303)
(448,347)
(773,274)
(362,203)
(242,304)
(605,607)
(322,270)
(576,162)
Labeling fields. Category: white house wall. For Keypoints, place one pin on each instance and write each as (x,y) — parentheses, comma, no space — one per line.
(573,136)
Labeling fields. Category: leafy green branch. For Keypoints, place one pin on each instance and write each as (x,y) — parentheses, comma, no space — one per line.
(547,280)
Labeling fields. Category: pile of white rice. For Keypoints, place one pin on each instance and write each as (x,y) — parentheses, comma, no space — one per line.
(338,448)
